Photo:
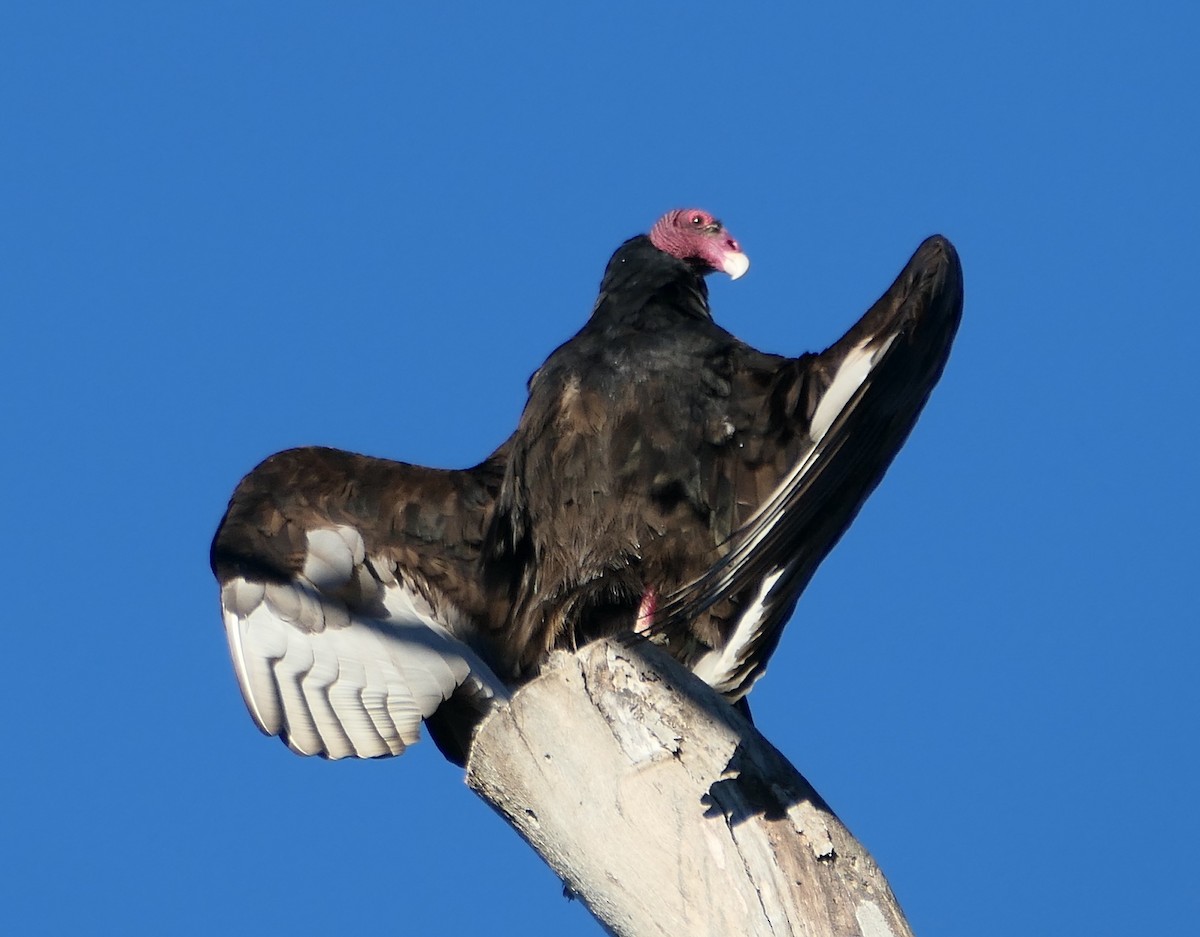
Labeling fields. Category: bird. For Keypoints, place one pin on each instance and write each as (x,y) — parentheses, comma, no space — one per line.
(664,480)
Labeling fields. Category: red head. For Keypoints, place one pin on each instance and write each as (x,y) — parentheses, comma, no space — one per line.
(698,238)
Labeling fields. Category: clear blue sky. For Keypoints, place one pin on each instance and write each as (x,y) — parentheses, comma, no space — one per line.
(231,228)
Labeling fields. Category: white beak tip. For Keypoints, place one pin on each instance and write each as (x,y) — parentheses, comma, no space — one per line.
(736,264)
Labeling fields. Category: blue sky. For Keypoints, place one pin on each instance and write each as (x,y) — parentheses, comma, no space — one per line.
(232,228)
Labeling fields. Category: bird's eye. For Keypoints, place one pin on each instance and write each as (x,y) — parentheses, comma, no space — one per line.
(697,220)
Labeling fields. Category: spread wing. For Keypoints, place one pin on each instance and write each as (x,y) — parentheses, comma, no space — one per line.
(350,593)
(848,411)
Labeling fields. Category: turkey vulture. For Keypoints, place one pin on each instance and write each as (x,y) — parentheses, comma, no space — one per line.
(664,478)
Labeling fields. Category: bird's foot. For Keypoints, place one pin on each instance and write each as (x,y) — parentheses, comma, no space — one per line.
(645,615)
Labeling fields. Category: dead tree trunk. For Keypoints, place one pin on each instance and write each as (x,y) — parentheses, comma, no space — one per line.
(666,812)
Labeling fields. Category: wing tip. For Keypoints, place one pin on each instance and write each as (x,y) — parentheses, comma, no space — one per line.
(938,266)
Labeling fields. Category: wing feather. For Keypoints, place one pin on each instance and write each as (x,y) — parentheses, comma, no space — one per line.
(348,621)
(864,396)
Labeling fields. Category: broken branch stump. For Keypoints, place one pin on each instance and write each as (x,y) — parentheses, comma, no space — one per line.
(666,812)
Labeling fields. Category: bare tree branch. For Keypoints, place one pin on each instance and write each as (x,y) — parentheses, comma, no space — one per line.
(666,812)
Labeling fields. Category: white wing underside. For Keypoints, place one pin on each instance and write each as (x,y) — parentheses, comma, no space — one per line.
(337,683)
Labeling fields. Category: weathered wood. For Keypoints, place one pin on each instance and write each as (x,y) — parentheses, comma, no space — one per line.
(666,812)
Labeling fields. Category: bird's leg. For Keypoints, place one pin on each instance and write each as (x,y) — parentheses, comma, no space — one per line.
(645,615)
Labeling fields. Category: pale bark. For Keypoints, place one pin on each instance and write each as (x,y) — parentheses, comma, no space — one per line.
(666,812)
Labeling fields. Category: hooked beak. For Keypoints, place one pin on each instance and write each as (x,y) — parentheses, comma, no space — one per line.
(735,263)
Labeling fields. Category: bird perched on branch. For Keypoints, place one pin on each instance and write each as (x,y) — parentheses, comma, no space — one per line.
(664,478)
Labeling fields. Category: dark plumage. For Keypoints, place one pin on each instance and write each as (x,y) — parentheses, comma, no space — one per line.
(664,476)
